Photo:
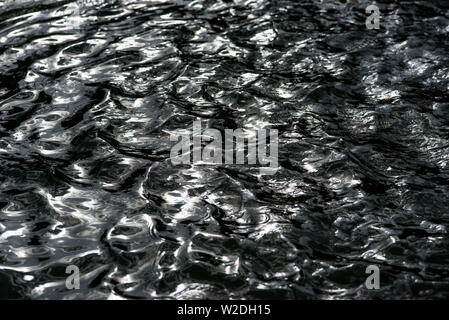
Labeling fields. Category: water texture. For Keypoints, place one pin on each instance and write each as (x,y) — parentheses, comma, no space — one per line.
(87,107)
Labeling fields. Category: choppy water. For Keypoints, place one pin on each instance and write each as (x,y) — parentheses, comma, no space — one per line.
(87,106)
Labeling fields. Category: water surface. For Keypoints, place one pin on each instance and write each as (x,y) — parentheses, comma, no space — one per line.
(87,107)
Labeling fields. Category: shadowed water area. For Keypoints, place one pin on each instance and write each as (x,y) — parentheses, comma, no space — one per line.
(87,107)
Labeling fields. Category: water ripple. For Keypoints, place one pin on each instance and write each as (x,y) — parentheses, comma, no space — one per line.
(87,105)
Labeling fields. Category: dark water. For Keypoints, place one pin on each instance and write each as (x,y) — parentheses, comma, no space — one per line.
(85,176)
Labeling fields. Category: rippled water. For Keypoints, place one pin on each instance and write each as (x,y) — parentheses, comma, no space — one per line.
(87,107)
